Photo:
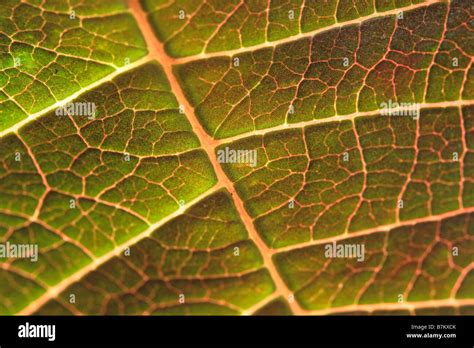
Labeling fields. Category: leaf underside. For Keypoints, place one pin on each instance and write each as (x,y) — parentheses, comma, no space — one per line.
(133,209)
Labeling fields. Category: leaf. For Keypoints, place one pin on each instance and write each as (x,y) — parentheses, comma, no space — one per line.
(412,261)
(48,53)
(225,157)
(348,70)
(203,254)
(192,27)
(351,176)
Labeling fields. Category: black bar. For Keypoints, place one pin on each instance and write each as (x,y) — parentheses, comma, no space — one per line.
(290,331)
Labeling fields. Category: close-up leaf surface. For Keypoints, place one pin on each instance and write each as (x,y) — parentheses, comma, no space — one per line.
(200,157)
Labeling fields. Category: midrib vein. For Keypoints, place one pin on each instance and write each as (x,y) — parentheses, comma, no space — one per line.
(208,144)
(145,59)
